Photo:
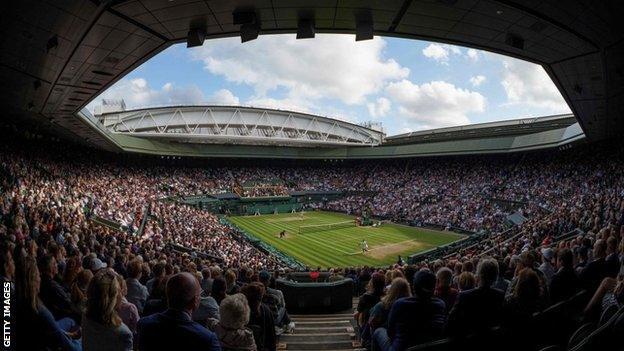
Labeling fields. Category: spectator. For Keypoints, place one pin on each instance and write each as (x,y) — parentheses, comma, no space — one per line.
(525,300)
(370,298)
(466,281)
(137,292)
(127,312)
(78,292)
(546,267)
(52,293)
(260,320)
(480,308)
(232,327)
(565,283)
(444,291)
(35,327)
(399,288)
(174,329)
(596,270)
(219,287)
(413,320)
(102,328)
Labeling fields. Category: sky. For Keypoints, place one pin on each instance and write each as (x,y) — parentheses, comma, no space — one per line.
(405,84)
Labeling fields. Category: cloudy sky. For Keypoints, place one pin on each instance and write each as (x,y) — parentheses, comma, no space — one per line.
(405,84)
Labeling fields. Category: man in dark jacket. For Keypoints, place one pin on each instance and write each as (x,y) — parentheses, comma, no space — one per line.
(413,320)
(52,293)
(174,329)
(479,308)
(596,269)
(565,283)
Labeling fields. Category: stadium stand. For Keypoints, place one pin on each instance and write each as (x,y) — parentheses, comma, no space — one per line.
(99,250)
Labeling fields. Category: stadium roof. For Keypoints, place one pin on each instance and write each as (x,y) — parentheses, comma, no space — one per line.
(57,56)
(239,125)
(485,130)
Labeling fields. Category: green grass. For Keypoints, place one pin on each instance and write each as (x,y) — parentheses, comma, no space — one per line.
(341,247)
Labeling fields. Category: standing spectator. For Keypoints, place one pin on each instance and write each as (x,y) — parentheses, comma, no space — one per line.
(102,328)
(174,329)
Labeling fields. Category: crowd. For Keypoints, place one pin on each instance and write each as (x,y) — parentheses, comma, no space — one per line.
(80,285)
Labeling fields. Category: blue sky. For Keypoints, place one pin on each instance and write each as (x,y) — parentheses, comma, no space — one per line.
(404,84)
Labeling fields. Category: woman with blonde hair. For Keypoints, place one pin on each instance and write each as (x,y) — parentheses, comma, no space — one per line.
(102,328)
(127,311)
(78,290)
(231,329)
(399,288)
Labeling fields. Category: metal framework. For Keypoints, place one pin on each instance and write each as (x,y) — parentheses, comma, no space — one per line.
(240,125)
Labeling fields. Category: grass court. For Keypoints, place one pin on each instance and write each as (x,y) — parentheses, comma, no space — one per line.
(340,247)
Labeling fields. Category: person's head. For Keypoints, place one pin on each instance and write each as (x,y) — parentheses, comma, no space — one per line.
(159,269)
(135,269)
(487,272)
(218,289)
(444,278)
(424,284)
(48,266)
(600,249)
(230,277)
(254,293)
(234,311)
(466,281)
(27,283)
(565,259)
(528,286)
(527,260)
(123,287)
(183,292)
(103,297)
(80,285)
(265,278)
(376,284)
(398,288)
(7,266)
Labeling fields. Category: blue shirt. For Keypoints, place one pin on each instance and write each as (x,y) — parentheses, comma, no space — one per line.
(413,320)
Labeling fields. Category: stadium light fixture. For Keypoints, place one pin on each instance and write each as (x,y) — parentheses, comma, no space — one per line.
(305,29)
(364,29)
(249,24)
(195,37)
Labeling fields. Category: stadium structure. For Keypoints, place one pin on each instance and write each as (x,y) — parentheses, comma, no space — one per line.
(509,234)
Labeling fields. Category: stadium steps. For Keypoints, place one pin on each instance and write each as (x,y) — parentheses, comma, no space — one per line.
(320,332)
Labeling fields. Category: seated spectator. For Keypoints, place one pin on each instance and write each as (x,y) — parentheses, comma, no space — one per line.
(78,291)
(52,293)
(595,270)
(127,311)
(102,328)
(478,308)
(35,327)
(609,293)
(232,329)
(373,294)
(612,260)
(137,292)
(565,283)
(219,287)
(399,288)
(526,299)
(275,300)
(546,267)
(230,281)
(413,320)
(208,307)
(174,329)
(444,291)
(260,320)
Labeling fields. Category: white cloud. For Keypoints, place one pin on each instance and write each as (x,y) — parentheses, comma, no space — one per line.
(224,97)
(380,108)
(138,93)
(477,80)
(473,55)
(435,104)
(440,52)
(330,66)
(528,84)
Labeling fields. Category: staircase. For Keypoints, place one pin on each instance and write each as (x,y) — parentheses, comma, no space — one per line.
(321,332)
